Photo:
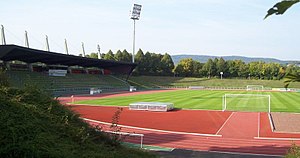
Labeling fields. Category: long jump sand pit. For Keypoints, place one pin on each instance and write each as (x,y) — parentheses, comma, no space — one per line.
(286,122)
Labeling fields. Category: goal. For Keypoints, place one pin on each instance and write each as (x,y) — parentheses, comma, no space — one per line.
(247,102)
(255,87)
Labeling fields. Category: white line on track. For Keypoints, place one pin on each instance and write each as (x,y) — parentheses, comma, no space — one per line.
(224,123)
(272,138)
(239,153)
(156,130)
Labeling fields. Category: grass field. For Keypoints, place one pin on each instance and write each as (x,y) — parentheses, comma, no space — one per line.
(158,81)
(209,100)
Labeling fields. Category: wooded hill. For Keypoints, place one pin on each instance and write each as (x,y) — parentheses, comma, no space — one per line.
(204,58)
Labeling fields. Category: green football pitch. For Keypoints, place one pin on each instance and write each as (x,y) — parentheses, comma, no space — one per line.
(210,100)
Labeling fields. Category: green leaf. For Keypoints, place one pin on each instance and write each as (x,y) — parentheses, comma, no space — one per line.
(291,78)
(280,7)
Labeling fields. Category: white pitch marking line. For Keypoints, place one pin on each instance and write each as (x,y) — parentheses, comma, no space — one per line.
(271,138)
(225,123)
(156,130)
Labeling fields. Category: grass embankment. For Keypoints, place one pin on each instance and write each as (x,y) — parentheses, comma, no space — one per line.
(210,100)
(35,125)
(157,81)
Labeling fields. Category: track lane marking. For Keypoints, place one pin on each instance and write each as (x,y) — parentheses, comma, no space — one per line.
(225,123)
(274,138)
(156,130)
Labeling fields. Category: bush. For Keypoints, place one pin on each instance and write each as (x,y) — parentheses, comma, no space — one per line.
(35,125)
(3,79)
(294,151)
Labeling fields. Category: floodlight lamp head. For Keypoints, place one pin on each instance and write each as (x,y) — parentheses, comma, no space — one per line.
(136,12)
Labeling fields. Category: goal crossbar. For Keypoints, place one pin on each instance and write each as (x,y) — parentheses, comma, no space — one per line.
(225,97)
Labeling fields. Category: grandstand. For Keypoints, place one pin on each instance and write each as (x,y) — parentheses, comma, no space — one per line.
(78,74)
(69,84)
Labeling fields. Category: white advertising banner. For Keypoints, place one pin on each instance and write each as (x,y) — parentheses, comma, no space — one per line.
(57,72)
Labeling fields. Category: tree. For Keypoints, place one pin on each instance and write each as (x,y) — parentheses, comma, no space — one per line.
(109,56)
(102,55)
(280,7)
(167,64)
(256,69)
(214,67)
(147,63)
(155,64)
(119,56)
(178,70)
(126,56)
(243,69)
(197,66)
(185,67)
(221,66)
(208,68)
(94,55)
(232,68)
(139,58)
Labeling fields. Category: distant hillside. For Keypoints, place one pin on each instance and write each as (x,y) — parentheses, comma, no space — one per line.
(204,58)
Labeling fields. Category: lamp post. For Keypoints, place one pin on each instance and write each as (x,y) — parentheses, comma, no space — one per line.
(221,73)
(135,15)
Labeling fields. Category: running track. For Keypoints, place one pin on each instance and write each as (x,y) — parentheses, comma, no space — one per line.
(241,132)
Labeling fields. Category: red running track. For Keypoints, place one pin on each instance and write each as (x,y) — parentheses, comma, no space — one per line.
(205,143)
(239,130)
(192,121)
(241,125)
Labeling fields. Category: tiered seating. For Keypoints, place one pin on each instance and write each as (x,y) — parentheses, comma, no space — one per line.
(67,85)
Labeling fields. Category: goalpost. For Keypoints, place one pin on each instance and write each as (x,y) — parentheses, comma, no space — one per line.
(255,87)
(247,102)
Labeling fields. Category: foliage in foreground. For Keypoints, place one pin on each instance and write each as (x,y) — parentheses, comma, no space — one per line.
(291,78)
(35,125)
(294,152)
(281,7)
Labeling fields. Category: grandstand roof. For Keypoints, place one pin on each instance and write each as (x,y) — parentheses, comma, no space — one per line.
(28,55)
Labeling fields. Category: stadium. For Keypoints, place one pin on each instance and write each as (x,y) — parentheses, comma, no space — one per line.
(245,119)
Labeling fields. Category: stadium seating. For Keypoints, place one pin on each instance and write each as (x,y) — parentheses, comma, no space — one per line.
(68,85)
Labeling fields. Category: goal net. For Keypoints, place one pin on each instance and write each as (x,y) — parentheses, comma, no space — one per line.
(255,87)
(247,102)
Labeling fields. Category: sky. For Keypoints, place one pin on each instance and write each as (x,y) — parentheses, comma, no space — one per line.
(196,27)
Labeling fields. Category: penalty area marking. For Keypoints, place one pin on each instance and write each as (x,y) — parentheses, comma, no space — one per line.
(224,123)
(156,130)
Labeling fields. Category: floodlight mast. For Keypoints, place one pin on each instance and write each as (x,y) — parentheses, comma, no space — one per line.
(26,40)
(47,44)
(135,15)
(66,47)
(3,35)
(99,54)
